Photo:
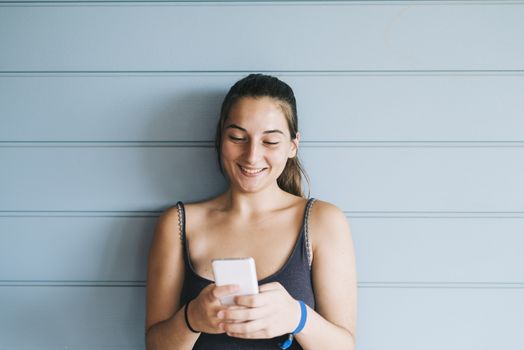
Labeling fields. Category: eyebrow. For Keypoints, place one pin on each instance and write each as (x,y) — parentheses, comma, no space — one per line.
(234,126)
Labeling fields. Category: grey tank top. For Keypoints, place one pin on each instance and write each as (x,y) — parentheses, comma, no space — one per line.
(295,276)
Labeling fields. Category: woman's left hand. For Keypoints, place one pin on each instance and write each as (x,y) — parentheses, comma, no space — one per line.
(270,313)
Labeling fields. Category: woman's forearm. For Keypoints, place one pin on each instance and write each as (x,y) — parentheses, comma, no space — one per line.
(319,333)
(171,334)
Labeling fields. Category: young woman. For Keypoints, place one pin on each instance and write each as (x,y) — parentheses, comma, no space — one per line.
(302,247)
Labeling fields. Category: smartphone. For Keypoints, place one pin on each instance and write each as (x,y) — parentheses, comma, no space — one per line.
(239,271)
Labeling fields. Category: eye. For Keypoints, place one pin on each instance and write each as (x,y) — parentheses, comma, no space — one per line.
(271,143)
(236,139)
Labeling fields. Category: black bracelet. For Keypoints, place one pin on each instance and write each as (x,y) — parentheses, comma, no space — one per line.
(187,320)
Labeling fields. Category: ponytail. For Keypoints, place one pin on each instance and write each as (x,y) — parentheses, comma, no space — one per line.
(291,178)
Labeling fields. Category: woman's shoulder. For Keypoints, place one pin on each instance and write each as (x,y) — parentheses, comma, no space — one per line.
(173,216)
(168,223)
(327,220)
(326,211)
(191,211)
(188,205)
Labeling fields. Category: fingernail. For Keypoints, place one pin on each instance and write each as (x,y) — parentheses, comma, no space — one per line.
(220,314)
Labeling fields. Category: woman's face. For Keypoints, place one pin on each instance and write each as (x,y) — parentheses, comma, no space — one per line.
(256,143)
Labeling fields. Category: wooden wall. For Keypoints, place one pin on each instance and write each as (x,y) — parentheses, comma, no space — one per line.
(412,123)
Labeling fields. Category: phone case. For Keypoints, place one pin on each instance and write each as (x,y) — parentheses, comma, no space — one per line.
(241,271)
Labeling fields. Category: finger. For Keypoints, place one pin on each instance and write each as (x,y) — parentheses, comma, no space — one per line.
(270,286)
(255,300)
(254,335)
(231,321)
(224,290)
(233,307)
(245,328)
(243,314)
(220,312)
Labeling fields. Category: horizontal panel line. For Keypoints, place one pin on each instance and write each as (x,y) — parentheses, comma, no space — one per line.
(313,72)
(77,213)
(13,283)
(349,214)
(364,285)
(106,144)
(308,144)
(443,285)
(273,2)
(433,215)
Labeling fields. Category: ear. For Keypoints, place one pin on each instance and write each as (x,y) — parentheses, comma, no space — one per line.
(294,146)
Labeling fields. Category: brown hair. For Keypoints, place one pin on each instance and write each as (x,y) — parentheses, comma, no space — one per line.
(260,85)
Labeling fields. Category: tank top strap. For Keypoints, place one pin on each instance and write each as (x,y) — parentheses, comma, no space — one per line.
(182,233)
(306,231)
(181,221)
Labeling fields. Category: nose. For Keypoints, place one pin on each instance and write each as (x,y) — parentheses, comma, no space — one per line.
(252,152)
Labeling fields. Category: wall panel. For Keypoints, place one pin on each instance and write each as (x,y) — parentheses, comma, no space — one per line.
(331,107)
(447,179)
(433,319)
(61,317)
(407,318)
(75,249)
(236,36)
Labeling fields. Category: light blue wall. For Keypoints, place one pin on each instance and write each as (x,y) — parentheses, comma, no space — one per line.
(412,123)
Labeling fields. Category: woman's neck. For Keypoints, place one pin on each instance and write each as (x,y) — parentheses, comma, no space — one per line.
(254,204)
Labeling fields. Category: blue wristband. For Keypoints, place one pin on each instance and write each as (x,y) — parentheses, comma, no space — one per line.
(303,317)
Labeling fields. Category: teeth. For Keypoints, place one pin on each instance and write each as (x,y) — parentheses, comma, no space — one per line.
(251,171)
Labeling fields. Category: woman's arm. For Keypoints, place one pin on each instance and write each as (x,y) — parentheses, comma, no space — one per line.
(165,326)
(333,325)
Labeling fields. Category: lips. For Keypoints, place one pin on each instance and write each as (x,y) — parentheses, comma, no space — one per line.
(251,171)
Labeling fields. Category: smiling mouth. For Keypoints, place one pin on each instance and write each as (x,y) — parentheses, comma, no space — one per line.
(252,171)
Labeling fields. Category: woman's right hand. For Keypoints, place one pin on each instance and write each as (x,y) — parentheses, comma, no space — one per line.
(203,310)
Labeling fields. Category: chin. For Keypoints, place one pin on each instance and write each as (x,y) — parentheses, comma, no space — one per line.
(248,189)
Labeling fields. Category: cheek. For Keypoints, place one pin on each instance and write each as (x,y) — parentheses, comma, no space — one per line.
(279,157)
(229,151)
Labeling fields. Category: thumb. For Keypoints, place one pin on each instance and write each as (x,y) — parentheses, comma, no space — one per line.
(220,291)
(269,287)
